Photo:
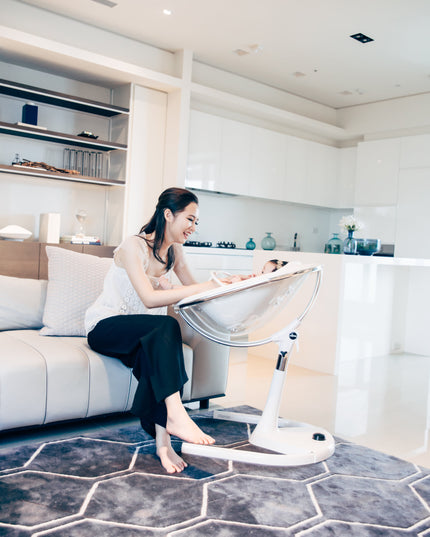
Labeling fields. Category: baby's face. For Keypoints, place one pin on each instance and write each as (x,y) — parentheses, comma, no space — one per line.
(268,267)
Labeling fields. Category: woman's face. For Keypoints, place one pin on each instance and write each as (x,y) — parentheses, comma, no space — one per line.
(181,225)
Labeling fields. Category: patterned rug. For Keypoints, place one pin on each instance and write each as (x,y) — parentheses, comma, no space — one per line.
(110,483)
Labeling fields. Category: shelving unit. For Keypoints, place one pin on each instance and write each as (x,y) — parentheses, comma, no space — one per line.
(65,101)
(59,176)
(60,99)
(59,137)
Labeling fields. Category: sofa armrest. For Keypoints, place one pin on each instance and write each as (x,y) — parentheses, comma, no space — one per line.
(210,362)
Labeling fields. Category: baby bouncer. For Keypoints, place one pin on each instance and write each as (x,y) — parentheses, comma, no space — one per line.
(229,315)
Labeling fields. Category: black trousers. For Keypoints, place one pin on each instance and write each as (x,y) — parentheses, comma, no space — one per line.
(152,346)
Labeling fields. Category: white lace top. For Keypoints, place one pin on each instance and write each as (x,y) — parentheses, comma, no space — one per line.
(119,296)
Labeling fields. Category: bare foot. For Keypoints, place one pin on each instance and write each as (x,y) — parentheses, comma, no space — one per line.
(170,460)
(181,425)
(184,428)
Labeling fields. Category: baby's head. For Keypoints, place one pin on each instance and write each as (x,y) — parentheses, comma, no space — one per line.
(272,265)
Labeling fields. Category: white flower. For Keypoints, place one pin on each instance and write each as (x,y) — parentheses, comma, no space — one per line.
(350,223)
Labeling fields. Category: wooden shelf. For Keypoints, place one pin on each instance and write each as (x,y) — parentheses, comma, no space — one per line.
(62,176)
(60,99)
(59,137)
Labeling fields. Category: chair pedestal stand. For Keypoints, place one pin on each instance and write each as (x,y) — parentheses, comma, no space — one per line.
(294,443)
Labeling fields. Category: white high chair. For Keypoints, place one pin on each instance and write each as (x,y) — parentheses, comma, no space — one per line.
(228,315)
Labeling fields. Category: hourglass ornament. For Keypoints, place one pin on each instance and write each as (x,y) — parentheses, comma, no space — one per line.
(81,216)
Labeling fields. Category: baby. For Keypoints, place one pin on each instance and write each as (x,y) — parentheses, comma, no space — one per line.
(272,265)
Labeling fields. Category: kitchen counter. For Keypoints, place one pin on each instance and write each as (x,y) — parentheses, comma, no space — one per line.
(368,306)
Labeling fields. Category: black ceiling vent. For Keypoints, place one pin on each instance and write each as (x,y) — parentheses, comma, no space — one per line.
(362,38)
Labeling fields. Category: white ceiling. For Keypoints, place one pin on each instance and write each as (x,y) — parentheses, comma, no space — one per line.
(305,36)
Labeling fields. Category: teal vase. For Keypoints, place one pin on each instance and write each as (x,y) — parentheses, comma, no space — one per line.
(268,243)
(334,245)
(250,245)
(350,244)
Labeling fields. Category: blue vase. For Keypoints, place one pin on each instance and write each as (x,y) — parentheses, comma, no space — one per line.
(268,243)
(334,245)
(350,244)
(250,245)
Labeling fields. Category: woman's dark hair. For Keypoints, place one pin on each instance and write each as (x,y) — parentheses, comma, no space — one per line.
(175,199)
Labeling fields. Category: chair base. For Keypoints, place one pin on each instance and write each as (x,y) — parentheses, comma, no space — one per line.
(295,443)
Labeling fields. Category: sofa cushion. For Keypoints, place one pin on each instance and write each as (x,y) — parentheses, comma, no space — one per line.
(75,280)
(22,302)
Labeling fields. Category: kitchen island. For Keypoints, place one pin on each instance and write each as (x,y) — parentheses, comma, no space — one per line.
(367,306)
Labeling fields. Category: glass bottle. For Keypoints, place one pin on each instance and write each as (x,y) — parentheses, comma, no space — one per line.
(334,245)
(268,243)
(250,245)
(350,244)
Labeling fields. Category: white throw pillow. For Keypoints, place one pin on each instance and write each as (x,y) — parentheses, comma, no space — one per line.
(74,282)
(21,302)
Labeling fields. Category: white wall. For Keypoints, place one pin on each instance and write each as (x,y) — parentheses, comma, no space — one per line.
(237,218)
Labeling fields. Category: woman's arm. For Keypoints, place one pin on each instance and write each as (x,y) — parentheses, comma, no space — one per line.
(131,261)
(181,268)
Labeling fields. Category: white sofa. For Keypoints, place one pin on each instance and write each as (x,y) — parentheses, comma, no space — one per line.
(48,373)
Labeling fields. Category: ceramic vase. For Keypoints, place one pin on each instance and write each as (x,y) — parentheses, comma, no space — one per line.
(268,243)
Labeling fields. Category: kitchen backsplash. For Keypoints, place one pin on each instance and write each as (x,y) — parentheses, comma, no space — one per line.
(237,218)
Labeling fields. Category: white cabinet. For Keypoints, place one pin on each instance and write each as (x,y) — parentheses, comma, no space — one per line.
(268,161)
(235,166)
(415,152)
(346,161)
(203,261)
(377,172)
(413,218)
(204,151)
(294,186)
(237,158)
(321,174)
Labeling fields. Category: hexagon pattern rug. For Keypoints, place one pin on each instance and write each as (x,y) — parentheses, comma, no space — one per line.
(110,484)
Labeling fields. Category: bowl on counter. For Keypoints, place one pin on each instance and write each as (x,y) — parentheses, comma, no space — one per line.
(368,246)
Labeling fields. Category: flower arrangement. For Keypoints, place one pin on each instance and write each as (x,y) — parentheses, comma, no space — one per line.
(350,223)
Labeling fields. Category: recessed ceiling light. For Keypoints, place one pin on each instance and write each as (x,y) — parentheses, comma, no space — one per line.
(362,38)
(255,48)
(240,52)
(167,11)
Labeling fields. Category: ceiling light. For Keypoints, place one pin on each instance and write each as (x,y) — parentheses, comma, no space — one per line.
(107,3)
(362,38)
(167,11)
(255,48)
(240,52)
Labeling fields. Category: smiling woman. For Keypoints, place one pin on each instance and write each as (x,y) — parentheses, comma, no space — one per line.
(128,321)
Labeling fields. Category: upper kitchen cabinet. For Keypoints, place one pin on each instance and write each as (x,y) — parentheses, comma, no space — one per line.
(415,152)
(346,165)
(235,165)
(204,151)
(294,186)
(268,162)
(321,174)
(377,172)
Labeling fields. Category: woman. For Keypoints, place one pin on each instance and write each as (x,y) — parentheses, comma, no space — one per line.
(128,321)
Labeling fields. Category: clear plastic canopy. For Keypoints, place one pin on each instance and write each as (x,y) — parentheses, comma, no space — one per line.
(229,313)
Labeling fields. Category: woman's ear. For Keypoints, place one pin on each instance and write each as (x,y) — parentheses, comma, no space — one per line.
(168,216)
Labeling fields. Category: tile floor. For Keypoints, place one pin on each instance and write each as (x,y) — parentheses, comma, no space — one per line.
(382,403)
